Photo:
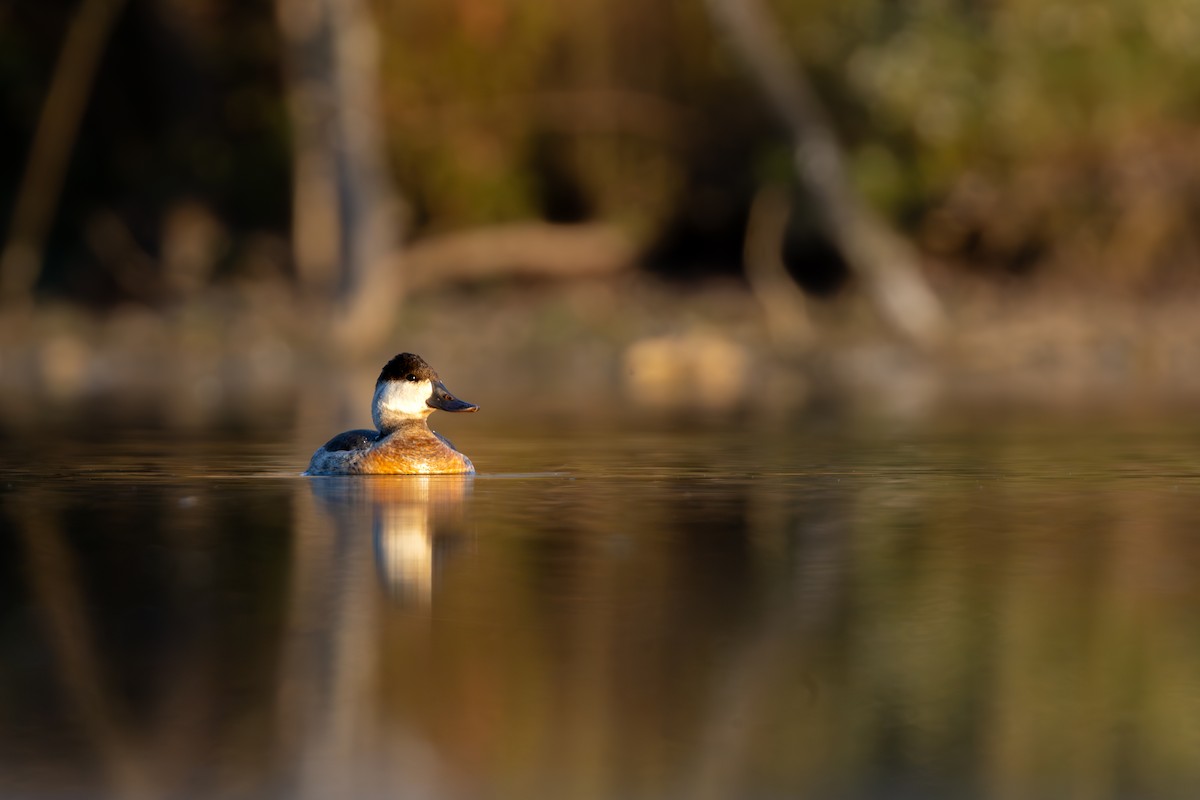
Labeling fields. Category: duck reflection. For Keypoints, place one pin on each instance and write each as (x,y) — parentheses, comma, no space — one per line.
(333,671)
(416,522)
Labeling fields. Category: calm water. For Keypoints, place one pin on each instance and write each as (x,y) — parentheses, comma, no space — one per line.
(995,611)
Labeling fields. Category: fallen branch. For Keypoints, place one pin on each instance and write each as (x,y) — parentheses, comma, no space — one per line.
(536,250)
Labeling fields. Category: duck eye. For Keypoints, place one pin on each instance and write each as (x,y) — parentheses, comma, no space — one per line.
(410,378)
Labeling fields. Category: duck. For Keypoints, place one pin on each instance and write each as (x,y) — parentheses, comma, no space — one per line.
(407,392)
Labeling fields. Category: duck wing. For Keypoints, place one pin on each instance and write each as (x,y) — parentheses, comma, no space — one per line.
(352,440)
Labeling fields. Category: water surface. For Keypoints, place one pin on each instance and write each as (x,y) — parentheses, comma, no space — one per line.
(801,609)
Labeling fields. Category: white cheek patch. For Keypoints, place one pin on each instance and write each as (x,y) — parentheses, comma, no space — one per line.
(401,399)
(407,398)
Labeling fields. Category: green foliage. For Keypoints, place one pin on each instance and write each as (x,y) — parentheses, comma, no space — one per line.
(953,113)
(1022,120)
(1022,133)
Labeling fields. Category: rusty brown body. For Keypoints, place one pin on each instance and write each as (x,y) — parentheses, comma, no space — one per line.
(409,449)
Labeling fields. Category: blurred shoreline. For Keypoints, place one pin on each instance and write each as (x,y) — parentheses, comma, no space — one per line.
(242,355)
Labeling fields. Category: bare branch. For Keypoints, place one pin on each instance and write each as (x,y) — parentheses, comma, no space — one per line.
(881,259)
(50,153)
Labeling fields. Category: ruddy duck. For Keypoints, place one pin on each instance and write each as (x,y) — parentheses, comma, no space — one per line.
(407,392)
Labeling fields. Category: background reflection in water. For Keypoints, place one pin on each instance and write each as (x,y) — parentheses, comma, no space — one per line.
(847,615)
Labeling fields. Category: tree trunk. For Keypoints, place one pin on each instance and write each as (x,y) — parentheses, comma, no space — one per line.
(50,152)
(347,222)
(879,257)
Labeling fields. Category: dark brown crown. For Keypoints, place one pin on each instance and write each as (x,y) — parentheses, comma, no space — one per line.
(405,364)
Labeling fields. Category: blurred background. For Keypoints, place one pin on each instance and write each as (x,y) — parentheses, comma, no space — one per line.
(227,200)
(781,315)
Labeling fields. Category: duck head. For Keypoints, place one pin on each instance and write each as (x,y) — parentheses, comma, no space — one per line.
(408,388)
